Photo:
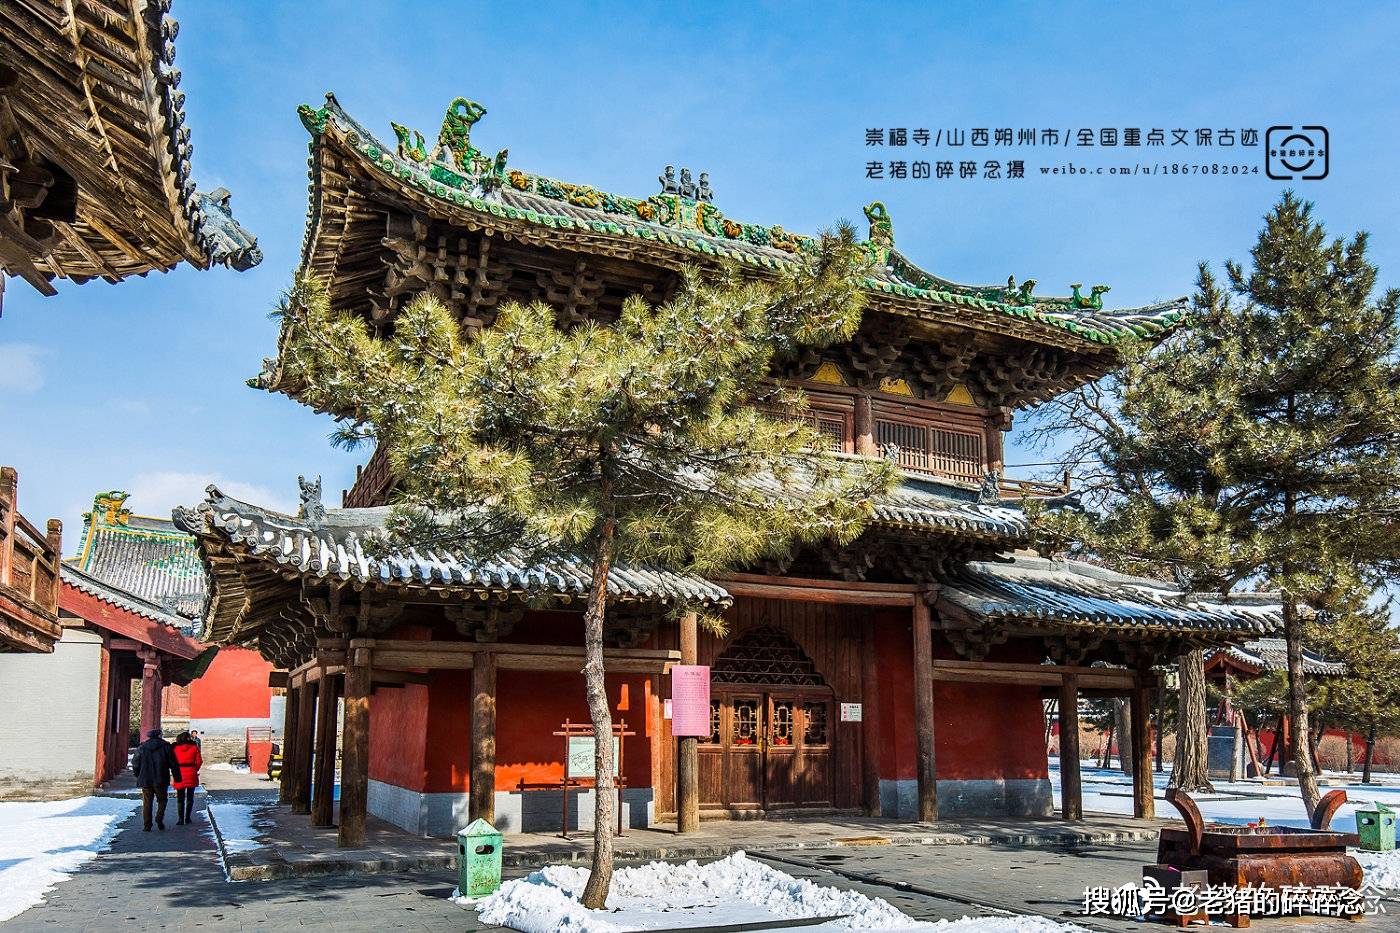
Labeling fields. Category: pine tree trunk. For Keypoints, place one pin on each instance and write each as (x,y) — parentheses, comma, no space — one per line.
(1125,735)
(1298,705)
(1370,754)
(595,893)
(1189,766)
(1351,757)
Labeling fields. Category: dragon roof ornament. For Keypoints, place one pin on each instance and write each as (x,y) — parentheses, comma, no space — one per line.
(683,213)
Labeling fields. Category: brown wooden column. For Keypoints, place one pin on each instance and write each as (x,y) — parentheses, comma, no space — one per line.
(289,732)
(323,797)
(483,779)
(354,764)
(151,686)
(1143,804)
(870,718)
(923,708)
(688,747)
(1071,794)
(864,427)
(306,728)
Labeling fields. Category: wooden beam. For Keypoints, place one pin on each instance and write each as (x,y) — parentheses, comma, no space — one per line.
(354,771)
(323,796)
(923,712)
(1144,807)
(397,678)
(819,591)
(1095,678)
(483,777)
(306,727)
(688,747)
(1071,791)
(870,718)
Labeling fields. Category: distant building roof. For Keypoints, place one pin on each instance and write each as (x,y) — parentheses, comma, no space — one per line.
(1271,655)
(148,558)
(1052,593)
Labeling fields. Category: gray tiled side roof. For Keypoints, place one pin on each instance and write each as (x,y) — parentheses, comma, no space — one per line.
(149,558)
(1036,591)
(1271,654)
(334,549)
(87,583)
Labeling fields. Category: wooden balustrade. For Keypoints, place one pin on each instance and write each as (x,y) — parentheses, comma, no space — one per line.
(29,573)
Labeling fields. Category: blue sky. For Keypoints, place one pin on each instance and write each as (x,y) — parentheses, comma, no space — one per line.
(141,385)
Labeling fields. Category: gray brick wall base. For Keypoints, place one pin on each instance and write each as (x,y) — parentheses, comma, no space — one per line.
(970,798)
(443,814)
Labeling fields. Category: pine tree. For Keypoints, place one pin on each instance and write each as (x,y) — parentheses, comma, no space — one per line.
(1365,699)
(655,439)
(1259,446)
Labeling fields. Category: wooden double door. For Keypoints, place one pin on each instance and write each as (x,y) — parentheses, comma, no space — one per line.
(769,748)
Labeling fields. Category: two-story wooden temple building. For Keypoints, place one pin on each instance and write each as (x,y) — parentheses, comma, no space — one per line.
(902,674)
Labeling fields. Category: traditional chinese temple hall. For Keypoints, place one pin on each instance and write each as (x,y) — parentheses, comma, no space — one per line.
(902,674)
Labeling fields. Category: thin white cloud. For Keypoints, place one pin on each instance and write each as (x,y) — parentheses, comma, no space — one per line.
(20,369)
(156,493)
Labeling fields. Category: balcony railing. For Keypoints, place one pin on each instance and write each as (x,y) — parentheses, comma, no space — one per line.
(29,574)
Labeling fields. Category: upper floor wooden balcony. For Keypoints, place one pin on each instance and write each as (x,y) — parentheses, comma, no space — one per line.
(29,574)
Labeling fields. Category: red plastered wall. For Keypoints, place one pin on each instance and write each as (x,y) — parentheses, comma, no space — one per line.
(980,730)
(234,687)
(530,707)
(398,729)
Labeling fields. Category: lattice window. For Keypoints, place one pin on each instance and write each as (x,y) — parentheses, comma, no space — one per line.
(765,656)
(744,725)
(910,439)
(829,424)
(713,737)
(784,722)
(939,450)
(958,453)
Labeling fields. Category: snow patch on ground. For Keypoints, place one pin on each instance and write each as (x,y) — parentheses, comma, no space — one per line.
(731,890)
(225,766)
(1238,803)
(239,824)
(42,844)
(1382,869)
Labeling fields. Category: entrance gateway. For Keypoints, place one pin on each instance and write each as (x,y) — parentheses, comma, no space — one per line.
(771,717)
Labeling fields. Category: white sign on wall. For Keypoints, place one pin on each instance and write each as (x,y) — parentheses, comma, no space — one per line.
(850,712)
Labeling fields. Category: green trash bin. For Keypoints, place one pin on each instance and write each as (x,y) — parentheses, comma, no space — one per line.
(478,860)
(1376,828)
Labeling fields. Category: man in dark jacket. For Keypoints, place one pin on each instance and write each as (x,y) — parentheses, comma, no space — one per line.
(152,764)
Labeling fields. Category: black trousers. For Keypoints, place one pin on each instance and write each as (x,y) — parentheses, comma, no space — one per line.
(184,802)
(161,796)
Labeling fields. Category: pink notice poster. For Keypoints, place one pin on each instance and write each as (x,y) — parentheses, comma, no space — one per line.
(690,699)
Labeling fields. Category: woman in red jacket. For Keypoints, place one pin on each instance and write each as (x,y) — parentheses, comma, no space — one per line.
(187,754)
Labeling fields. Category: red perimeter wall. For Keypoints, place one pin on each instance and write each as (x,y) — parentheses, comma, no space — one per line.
(234,687)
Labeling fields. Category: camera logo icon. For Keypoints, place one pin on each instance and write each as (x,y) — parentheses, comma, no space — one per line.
(1296,152)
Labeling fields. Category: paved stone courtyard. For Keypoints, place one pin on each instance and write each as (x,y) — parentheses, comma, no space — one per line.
(173,880)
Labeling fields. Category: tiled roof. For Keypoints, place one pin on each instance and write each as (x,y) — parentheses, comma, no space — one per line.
(147,557)
(691,226)
(1034,591)
(1271,654)
(334,549)
(122,599)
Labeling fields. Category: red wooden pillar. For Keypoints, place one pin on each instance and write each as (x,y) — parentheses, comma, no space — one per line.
(864,428)
(289,738)
(923,707)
